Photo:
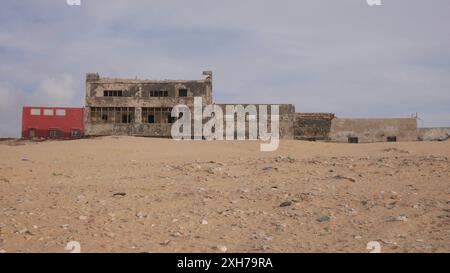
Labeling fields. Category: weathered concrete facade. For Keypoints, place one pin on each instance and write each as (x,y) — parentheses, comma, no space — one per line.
(374,130)
(143,108)
(286,114)
(434,134)
(312,126)
(138,107)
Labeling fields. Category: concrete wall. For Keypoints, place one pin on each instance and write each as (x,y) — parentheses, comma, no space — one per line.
(286,122)
(312,126)
(431,134)
(374,130)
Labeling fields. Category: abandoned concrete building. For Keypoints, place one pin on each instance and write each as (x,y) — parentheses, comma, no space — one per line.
(143,108)
(138,107)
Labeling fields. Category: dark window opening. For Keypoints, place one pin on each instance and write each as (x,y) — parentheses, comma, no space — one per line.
(353,140)
(113,93)
(54,133)
(182,92)
(75,133)
(156,93)
(112,114)
(31,132)
(392,139)
(160,115)
(170,119)
(125,118)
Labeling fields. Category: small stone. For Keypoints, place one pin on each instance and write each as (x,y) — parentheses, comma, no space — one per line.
(400,218)
(22,231)
(164,243)
(119,194)
(65,226)
(222,248)
(204,222)
(141,215)
(82,217)
(110,234)
(265,247)
(280,226)
(79,197)
(324,218)
(345,178)
(286,204)
(357,237)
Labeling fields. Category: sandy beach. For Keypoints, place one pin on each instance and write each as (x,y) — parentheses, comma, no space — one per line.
(131,194)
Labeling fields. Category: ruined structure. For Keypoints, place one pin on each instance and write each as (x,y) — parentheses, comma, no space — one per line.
(312,126)
(143,108)
(355,130)
(286,116)
(139,107)
(434,134)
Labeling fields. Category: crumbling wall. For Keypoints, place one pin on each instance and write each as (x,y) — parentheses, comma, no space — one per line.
(373,130)
(135,94)
(286,119)
(312,126)
(434,134)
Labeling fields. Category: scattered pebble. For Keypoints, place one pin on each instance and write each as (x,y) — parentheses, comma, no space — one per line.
(286,204)
(324,218)
(400,218)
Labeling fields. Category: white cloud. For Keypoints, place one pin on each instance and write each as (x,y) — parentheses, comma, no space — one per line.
(58,90)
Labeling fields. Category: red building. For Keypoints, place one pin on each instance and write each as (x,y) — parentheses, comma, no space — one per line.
(52,122)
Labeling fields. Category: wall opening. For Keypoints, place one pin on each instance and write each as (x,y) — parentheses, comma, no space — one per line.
(112,114)
(182,92)
(54,133)
(75,133)
(156,115)
(113,93)
(31,133)
(391,139)
(155,93)
(353,140)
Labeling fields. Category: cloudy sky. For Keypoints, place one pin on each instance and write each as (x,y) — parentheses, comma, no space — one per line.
(339,56)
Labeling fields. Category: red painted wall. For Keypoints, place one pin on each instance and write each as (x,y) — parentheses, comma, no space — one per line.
(43,124)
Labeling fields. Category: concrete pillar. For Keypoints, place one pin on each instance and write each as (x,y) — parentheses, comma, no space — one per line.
(138,115)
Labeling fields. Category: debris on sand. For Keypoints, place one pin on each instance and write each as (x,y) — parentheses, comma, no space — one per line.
(117,194)
(165,242)
(324,218)
(270,168)
(221,248)
(286,204)
(344,178)
(399,218)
